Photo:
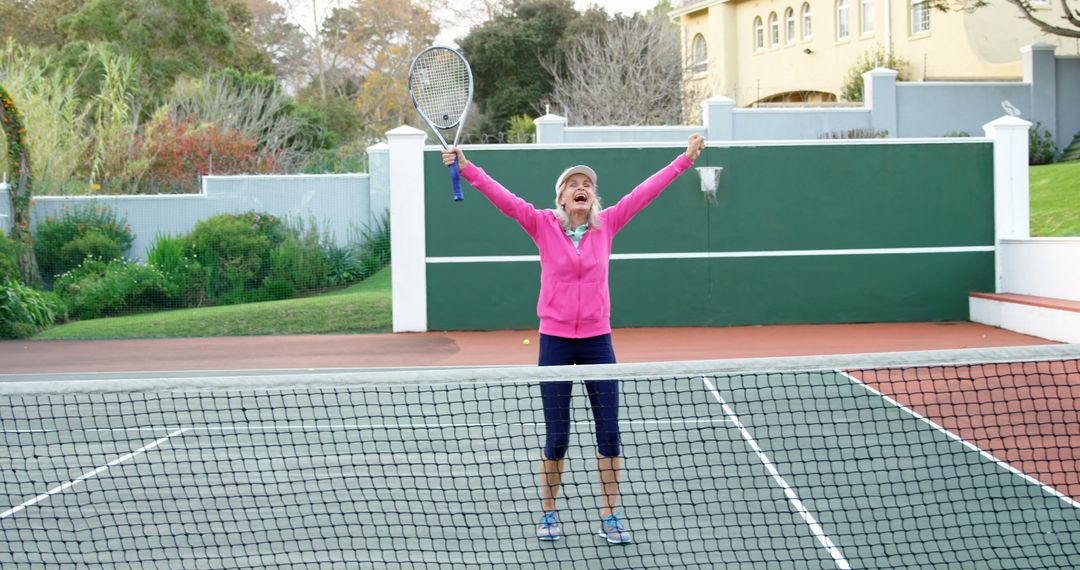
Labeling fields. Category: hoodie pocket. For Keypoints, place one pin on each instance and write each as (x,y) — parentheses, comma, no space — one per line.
(594,302)
(557,302)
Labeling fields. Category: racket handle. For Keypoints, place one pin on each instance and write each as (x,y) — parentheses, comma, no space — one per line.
(455,178)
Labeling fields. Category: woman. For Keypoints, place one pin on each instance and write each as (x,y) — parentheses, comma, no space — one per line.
(574,308)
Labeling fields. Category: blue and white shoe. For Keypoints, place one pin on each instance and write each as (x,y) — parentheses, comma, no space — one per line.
(613,530)
(549,528)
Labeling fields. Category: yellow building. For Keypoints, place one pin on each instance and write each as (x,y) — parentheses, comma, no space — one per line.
(762,51)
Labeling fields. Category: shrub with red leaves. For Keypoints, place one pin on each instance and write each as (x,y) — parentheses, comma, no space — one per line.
(179,152)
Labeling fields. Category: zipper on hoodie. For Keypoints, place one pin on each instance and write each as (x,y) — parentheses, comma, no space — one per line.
(577,317)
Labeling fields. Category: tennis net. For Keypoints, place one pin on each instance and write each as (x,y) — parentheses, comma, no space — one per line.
(921,460)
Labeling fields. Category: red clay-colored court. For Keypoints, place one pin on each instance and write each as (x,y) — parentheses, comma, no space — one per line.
(488,348)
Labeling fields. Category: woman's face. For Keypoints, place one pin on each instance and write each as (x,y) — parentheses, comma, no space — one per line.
(578,195)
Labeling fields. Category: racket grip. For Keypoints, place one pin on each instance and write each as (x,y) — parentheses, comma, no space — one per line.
(455,178)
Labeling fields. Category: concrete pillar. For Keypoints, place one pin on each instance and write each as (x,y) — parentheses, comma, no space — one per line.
(550,129)
(1040,73)
(879,96)
(1012,217)
(407,236)
(718,118)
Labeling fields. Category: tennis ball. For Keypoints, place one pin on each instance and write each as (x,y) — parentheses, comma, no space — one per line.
(525,342)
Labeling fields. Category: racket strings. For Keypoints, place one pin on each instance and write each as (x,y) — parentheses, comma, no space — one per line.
(440,87)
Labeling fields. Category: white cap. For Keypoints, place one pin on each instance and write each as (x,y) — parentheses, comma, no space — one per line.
(579,169)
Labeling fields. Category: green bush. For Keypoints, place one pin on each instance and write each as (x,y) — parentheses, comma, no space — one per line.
(302,264)
(54,234)
(1041,146)
(1071,152)
(957,134)
(9,259)
(343,265)
(852,88)
(345,159)
(521,130)
(185,275)
(91,244)
(234,252)
(99,288)
(856,134)
(23,311)
(375,248)
(303,258)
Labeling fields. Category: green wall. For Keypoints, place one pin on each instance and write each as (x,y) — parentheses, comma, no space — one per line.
(771,198)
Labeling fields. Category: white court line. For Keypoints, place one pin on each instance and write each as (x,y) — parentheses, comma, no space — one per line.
(792,496)
(89,474)
(316,427)
(966,443)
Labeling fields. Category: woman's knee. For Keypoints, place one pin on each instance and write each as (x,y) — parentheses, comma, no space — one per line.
(556,445)
(608,443)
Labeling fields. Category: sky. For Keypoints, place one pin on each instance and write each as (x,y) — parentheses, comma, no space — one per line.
(617,6)
(301,12)
(610,6)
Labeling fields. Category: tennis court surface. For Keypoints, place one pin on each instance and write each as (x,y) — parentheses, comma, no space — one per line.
(940,459)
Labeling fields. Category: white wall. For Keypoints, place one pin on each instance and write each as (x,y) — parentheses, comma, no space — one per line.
(339,204)
(1044,267)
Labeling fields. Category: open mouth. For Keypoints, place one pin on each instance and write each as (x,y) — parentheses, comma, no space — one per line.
(581,197)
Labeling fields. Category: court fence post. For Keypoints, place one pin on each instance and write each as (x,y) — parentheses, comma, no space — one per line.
(879,96)
(718,118)
(1011,185)
(550,129)
(407,235)
(1040,73)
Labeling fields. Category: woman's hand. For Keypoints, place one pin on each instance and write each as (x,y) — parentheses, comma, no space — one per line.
(448,155)
(694,146)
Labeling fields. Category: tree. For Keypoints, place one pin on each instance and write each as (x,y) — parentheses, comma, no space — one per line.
(316,36)
(250,56)
(282,40)
(506,53)
(629,72)
(251,105)
(35,22)
(373,43)
(168,39)
(19,193)
(852,90)
(1068,25)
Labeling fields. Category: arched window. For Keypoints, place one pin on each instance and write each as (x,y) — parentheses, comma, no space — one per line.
(807,22)
(759,34)
(700,61)
(866,17)
(843,30)
(774,30)
(789,21)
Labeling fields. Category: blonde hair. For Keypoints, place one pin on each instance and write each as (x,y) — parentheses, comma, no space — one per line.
(564,218)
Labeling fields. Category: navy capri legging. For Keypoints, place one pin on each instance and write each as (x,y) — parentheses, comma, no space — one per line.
(603,394)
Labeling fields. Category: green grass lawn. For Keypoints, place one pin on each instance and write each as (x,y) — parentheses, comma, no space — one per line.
(1055,200)
(364,307)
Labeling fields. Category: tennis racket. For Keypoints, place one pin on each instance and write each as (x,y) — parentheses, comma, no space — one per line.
(441,88)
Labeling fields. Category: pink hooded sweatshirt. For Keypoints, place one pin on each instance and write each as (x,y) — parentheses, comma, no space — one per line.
(574,298)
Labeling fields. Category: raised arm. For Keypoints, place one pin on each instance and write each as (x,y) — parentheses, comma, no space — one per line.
(618,215)
(507,202)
